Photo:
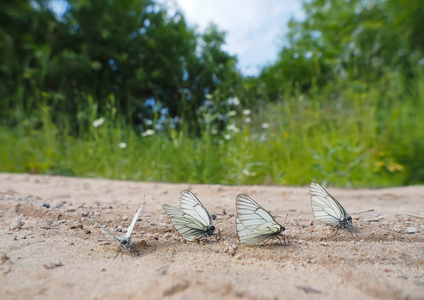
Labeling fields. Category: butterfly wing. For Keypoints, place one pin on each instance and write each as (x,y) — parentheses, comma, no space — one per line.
(326,208)
(104,230)
(192,206)
(134,220)
(189,227)
(262,233)
(254,224)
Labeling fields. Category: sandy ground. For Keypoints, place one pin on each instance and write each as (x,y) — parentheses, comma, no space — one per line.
(51,251)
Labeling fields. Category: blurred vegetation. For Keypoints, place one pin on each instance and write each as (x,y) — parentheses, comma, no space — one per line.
(126,89)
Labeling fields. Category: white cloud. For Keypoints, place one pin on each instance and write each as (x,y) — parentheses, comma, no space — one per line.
(254,27)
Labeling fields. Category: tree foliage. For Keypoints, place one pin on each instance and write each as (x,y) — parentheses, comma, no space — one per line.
(137,60)
(132,55)
(350,39)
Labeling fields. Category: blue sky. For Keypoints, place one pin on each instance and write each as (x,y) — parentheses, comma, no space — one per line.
(255,28)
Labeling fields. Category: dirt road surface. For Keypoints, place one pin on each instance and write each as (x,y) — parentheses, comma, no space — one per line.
(49,251)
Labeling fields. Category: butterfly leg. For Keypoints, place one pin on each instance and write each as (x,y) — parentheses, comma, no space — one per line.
(284,238)
(270,240)
(132,249)
(119,251)
(281,243)
(352,230)
(219,234)
(338,228)
(288,237)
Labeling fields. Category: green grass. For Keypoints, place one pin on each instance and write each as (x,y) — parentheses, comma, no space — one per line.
(349,134)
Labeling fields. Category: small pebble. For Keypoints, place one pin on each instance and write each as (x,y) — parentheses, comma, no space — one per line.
(84,214)
(397,228)
(119,228)
(53,265)
(418,282)
(411,230)
(76,226)
(125,218)
(17,224)
(46,205)
(4,258)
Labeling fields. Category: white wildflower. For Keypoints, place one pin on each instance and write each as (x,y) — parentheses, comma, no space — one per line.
(246,112)
(233,101)
(247,173)
(227,136)
(122,145)
(233,128)
(247,120)
(264,125)
(232,113)
(148,132)
(214,131)
(207,118)
(98,122)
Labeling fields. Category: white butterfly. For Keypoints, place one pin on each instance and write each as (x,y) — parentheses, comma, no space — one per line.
(192,221)
(328,210)
(254,223)
(125,241)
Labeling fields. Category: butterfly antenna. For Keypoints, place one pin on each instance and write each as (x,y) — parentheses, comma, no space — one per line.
(414,216)
(144,200)
(361,212)
(223,213)
(220,221)
(285,222)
